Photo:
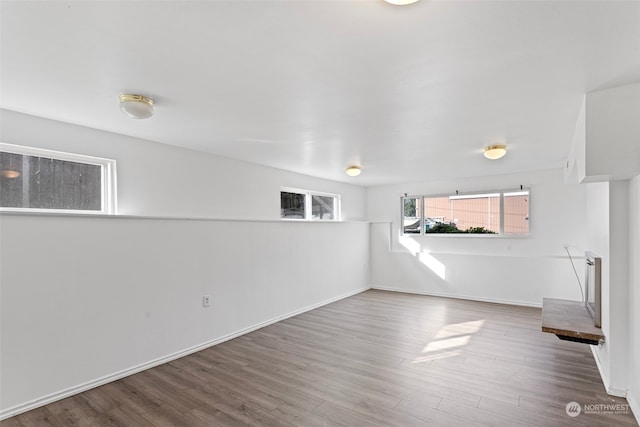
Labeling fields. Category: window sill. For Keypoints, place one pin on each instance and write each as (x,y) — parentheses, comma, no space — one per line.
(470,236)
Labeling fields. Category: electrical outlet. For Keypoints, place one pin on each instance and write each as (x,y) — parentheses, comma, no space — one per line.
(206,300)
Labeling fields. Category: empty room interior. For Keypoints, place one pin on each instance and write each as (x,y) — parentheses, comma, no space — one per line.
(319,213)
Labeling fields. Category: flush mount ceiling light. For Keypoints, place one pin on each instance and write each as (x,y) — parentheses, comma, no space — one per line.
(136,106)
(9,174)
(400,2)
(495,152)
(353,170)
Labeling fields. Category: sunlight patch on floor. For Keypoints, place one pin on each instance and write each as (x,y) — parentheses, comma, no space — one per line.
(448,341)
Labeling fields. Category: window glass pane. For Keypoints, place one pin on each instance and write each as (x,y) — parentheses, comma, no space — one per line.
(437,210)
(411,215)
(46,183)
(463,214)
(323,207)
(516,212)
(292,205)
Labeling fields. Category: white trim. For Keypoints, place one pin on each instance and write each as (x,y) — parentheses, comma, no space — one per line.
(502,214)
(494,255)
(44,400)
(108,177)
(517,193)
(472,196)
(467,236)
(463,297)
(308,204)
(4,209)
(604,377)
(635,407)
(60,155)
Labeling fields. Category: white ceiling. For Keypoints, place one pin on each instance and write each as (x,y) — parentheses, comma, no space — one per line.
(411,93)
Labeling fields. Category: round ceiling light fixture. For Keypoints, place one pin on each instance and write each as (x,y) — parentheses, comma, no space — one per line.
(353,170)
(136,106)
(494,152)
(400,2)
(9,174)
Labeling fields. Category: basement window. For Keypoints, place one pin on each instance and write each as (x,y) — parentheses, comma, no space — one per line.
(38,180)
(309,205)
(489,213)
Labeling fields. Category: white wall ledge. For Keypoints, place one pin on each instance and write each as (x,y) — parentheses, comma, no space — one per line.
(169,218)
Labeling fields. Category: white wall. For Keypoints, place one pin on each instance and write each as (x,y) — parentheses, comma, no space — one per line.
(88,298)
(606,140)
(619,285)
(575,167)
(608,224)
(161,180)
(597,209)
(633,395)
(613,133)
(516,270)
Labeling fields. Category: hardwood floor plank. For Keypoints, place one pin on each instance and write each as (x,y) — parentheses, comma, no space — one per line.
(520,413)
(388,417)
(227,383)
(210,416)
(298,417)
(344,417)
(126,416)
(74,411)
(166,416)
(40,417)
(129,396)
(432,416)
(12,422)
(412,383)
(480,416)
(182,402)
(99,401)
(312,382)
(240,412)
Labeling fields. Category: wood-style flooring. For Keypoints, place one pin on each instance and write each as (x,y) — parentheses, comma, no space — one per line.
(374,359)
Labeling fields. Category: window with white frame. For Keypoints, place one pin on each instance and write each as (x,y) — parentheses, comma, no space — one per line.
(309,205)
(499,212)
(34,179)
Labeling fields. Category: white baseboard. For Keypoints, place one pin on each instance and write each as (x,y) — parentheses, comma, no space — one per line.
(53,397)
(635,406)
(465,297)
(605,378)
